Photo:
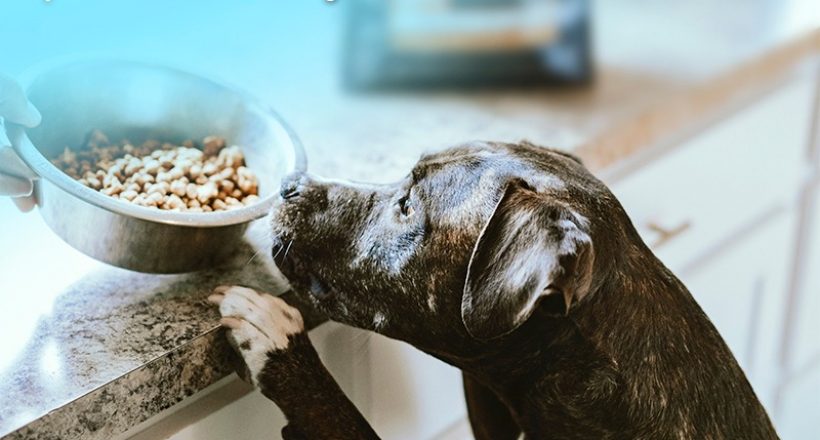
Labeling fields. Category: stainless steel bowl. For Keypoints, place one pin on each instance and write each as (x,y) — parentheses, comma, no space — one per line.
(138,102)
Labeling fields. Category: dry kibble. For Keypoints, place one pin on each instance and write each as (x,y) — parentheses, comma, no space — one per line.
(195,171)
(151,166)
(231,157)
(219,205)
(209,168)
(142,178)
(129,195)
(153,199)
(194,154)
(160,188)
(228,173)
(163,175)
(227,186)
(179,188)
(113,189)
(115,170)
(246,180)
(212,145)
(176,173)
(191,191)
(107,179)
(166,161)
(174,202)
(206,192)
(133,165)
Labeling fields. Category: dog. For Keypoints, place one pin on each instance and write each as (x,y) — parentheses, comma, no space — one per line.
(513,263)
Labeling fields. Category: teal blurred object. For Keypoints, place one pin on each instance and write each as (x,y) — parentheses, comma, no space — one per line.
(467,43)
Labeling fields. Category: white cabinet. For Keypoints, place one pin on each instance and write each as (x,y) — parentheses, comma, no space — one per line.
(805,342)
(414,396)
(799,400)
(743,290)
(800,408)
(249,417)
(716,184)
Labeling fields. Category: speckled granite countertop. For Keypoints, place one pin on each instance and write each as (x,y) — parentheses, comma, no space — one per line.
(95,349)
(92,350)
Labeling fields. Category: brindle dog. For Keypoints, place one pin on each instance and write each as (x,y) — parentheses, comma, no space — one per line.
(514,264)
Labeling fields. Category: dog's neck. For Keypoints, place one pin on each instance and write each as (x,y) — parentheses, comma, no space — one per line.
(643,312)
(638,325)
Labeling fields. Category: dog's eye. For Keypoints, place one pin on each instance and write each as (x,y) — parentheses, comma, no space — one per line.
(405,207)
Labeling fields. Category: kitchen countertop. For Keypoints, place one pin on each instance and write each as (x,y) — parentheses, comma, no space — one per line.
(92,350)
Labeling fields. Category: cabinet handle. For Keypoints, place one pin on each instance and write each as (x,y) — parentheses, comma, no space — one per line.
(666,234)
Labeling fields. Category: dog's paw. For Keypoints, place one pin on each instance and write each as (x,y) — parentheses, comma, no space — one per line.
(258,324)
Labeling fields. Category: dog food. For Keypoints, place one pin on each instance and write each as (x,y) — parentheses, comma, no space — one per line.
(189,177)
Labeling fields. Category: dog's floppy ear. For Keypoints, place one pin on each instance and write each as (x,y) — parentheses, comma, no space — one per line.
(531,247)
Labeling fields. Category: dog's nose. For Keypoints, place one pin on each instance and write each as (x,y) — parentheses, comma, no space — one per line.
(291,185)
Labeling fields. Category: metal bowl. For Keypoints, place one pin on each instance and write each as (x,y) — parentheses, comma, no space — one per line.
(139,102)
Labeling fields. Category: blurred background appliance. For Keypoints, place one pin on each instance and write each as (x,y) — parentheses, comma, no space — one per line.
(466,43)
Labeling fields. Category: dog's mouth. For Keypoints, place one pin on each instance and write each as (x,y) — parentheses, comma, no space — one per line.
(299,274)
(319,289)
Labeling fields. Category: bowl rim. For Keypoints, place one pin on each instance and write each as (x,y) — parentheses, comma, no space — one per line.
(44,169)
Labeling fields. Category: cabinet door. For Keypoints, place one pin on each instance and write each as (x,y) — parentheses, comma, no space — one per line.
(800,408)
(414,396)
(743,291)
(720,181)
(805,343)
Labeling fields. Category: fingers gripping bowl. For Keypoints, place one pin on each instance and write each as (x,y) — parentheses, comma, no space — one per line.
(140,102)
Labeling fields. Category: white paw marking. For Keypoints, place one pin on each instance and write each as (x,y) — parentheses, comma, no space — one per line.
(257,323)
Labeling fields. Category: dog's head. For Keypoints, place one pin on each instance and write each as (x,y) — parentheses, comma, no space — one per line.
(465,248)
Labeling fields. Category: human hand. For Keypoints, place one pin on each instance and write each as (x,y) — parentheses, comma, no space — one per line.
(15,109)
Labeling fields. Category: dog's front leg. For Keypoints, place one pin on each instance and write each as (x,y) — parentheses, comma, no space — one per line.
(282,363)
(489,417)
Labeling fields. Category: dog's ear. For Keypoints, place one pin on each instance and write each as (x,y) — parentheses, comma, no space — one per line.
(531,247)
